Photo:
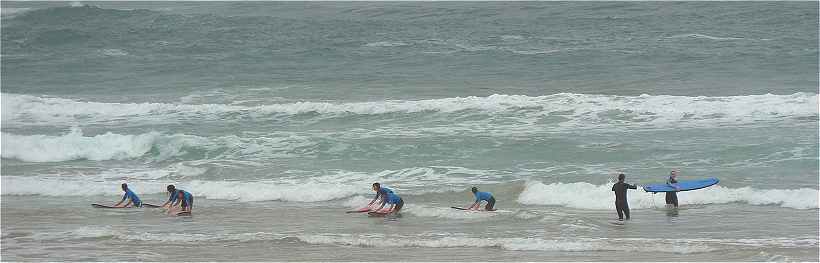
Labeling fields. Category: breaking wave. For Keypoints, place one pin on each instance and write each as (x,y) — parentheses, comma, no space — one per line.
(589,196)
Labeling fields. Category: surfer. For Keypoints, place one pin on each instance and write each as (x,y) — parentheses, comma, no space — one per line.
(179,197)
(133,199)
(482,196)
(621,205)
(381,193)
(672,197)
(395,201)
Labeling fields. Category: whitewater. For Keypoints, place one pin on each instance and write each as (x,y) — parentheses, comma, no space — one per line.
(279,117)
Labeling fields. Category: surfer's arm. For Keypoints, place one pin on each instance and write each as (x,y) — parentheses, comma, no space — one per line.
(381,206)
(123,200)
(374,199)
(630,186)
(474,205)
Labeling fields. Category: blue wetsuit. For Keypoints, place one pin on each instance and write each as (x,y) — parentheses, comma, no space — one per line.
(383,191)
(485,196)
(187,199)
(134,198)
(395,200)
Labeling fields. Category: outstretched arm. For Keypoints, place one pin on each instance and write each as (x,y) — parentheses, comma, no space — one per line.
(384,202)
(474,205)
(631,186)
(375,198)
(120,202)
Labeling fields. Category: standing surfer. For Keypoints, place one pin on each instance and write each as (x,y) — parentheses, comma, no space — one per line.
(621,205)
(672,197)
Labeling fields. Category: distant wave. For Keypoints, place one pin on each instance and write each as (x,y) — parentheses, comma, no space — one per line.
(589,196)
(11,12)
(109,146)
(386,44)
(705,37)
(579,109)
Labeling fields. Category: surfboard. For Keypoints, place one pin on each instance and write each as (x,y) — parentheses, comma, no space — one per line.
(465,209)
(360,210)
(684,185)
(106,206)
(103,206)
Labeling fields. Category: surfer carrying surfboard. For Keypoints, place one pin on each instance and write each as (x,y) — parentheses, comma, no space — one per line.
(621,205)
(672,197)
(482,196)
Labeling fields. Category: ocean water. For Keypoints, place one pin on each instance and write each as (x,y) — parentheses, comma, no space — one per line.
(279,116)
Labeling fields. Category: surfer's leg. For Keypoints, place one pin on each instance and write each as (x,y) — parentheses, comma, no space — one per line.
(490,204)
(626,210)
(619,210)
(399,206)
(674,199)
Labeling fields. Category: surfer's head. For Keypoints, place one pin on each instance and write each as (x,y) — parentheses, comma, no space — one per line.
(376,187)
(171,188)
(474,189)
(124,186)
(621,177)
(673,173)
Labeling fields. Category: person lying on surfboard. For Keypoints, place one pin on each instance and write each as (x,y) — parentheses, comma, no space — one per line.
(395,201)
(482,196)
(672,197)
(178,196)
(133,199)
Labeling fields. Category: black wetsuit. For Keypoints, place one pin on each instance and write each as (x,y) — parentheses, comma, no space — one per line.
(490,204)
(621,205)
(672,197)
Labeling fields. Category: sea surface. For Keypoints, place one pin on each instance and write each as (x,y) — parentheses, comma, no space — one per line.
(278,116)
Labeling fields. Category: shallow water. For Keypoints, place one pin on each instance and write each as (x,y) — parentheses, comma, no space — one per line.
(279,116)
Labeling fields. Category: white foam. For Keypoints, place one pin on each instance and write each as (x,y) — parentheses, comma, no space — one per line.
(705,37)
(679,246)
(579,109)
(446,212)
(108,232)
(226,190)
(113,52)
(589,196)
(386,44)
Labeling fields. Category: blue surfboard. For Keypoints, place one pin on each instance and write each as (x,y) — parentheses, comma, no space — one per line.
(684,185)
